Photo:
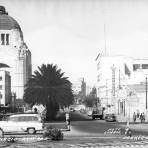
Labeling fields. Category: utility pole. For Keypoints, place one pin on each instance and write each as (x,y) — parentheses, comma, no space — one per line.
(146,93)
(107,91)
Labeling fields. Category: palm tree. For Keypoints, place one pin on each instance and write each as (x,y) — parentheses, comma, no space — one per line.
(49,87)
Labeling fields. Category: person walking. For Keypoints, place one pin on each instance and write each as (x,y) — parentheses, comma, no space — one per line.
(141,117)
(134,117)
(67,120)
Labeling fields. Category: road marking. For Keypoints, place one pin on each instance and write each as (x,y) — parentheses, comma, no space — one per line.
(109,137)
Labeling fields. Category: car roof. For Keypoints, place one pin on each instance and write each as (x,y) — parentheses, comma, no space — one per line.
(24,114)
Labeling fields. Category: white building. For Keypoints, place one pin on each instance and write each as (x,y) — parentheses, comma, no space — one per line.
(121,82)
(5,88)
(15,56)
(88,90)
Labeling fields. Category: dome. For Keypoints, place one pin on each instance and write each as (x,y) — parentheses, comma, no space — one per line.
(2,65)
(6,21)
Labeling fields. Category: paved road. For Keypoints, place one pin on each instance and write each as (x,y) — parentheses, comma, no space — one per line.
(90,126)
(83,142)
(86,133)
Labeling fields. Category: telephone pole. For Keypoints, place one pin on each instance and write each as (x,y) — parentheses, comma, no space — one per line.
(146,92)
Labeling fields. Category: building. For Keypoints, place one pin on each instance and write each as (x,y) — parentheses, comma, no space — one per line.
(79,90)
(121,84)
(88,90)
(5,88)
(15,57)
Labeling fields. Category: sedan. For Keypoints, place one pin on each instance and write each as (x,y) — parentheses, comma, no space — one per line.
(20,123)
(110,117)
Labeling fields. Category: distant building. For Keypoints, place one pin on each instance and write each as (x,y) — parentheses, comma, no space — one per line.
(15,56)
(121,83)
(79,89)
(88,89)
(5,88)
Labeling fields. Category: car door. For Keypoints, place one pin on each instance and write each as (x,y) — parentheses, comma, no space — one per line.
(26,122)
(22,124)
(11,125)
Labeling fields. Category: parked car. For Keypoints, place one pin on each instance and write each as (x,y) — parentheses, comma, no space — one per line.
(110,117)
(72,109)
(20,123)
(89,113)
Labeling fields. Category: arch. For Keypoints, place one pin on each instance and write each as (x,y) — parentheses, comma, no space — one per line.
(2,65)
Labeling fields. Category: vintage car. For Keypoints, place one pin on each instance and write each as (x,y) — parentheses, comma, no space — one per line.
(20,123)
(110,117)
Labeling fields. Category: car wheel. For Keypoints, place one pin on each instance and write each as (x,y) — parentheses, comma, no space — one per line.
(101,117)
(93,118)
(1,133)
(31,131)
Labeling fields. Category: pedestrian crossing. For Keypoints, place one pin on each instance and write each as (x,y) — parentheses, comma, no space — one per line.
(122,144)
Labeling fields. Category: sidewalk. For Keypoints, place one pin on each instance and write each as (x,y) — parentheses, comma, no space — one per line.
(143,127)
(123,119)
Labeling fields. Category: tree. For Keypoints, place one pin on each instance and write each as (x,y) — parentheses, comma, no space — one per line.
(49,87)
(91,99)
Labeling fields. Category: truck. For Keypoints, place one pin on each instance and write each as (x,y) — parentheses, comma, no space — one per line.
(98,112)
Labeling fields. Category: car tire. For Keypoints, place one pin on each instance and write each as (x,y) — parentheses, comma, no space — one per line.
(31,131)
(93,118)
(1,133)
(101,117)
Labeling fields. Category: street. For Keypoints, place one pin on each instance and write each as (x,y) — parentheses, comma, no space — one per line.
(85,132)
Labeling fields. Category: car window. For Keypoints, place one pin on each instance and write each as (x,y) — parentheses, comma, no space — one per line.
(34,119)
(22,118)
(31,118)
(13,119)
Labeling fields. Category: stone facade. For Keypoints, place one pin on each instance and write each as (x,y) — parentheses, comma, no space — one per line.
(14,53)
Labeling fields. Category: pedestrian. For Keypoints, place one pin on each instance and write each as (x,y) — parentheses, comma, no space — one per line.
(134,117)
(67,120)
(128,132)
(137,114)
(141,117)
(35,110)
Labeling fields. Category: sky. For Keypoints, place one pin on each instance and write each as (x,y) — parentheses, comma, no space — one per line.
(71,33)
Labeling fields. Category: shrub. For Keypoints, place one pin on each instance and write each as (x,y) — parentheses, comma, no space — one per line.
(11,139)
(53,133)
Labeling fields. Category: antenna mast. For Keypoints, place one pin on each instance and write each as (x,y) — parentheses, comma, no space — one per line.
(105,50)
